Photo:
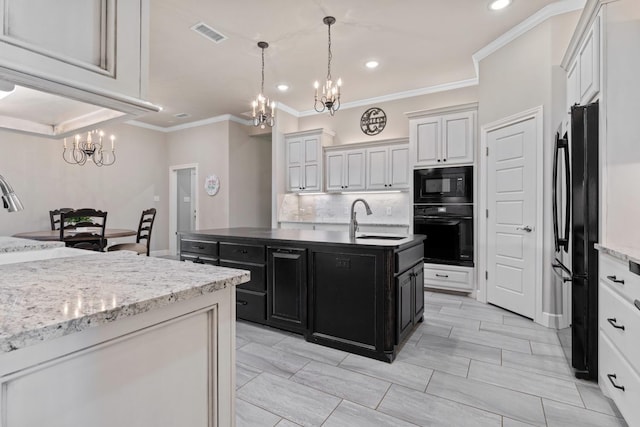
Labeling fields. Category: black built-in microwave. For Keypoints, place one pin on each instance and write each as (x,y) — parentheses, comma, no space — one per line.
(443,185)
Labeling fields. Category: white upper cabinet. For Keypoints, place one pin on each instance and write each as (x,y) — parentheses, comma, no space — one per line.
(388,167)
(345,170)
(583,71)
(443,137)
(304,159)
(92,51)
(379,165)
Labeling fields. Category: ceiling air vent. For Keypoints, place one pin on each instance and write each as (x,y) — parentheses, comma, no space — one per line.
(208,32)
(181,115)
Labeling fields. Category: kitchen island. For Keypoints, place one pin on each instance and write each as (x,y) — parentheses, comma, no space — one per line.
(108,339)
(363,295)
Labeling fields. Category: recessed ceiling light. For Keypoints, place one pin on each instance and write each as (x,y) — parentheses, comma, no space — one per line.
(372,64)
(499,4)
(283,87)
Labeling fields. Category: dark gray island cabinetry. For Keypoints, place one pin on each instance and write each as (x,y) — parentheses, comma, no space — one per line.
(361,295)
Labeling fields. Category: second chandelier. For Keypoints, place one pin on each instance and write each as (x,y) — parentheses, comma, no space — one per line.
(330,99)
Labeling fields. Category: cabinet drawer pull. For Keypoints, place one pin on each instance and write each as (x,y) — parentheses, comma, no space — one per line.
(637,303)
(198,261)
(241,302)
(242,251)
(614,279)
(613,321)
(442,275)
(197,247)
(612,377)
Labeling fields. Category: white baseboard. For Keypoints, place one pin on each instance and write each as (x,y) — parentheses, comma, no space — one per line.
(553,321)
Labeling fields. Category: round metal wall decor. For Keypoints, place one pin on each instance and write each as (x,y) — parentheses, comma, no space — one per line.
(373,121)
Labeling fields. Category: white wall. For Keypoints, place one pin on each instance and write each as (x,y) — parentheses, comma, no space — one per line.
(43,181)
(208,147)
(249,178)
(522,75)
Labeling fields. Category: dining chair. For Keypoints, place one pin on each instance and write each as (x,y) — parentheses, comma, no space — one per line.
(54,217)
(83,229)
(144,233)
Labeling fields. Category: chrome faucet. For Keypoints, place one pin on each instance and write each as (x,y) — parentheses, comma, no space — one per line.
(10,199)
(353,224)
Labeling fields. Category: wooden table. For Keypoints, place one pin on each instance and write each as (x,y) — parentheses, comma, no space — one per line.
(50,235)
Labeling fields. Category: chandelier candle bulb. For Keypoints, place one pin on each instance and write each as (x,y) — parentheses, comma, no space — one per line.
(113,142)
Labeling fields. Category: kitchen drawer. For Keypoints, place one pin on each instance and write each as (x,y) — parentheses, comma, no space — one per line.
(204,247)
(615,313)
(251,305)
(449,277)
(612,363)
(408,258)
(198,259)
(239,252)
(258,275)
(616,274)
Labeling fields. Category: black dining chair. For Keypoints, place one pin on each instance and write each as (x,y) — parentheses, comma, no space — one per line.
(54,217)
(83,229)
(144,233)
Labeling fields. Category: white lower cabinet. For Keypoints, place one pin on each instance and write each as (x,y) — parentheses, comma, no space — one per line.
(619,331)
(449,277)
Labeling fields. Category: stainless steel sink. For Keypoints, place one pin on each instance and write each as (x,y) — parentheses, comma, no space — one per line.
(380,236)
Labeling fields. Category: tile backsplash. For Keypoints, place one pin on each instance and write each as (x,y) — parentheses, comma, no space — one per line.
(387,208)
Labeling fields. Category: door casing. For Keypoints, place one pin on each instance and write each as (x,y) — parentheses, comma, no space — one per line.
(173,208)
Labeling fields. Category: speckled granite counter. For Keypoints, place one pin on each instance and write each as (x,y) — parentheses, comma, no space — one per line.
(623,254)
(14,244)
(47,299)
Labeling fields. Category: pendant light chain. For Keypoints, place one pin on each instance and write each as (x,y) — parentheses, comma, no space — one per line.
(262,84)
(330,56)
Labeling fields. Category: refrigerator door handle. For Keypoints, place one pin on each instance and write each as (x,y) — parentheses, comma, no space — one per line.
(554,196)
(567,179)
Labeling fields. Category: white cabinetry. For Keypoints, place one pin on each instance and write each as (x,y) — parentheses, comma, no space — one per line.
(583,73)
(345,170)
(304,159)
(380,165)
(101,59)
(619,324)
(444,136)
(388,167)
(449,277)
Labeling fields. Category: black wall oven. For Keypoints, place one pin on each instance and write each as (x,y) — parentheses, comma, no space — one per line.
(443,185)
(443,211)
(449,231)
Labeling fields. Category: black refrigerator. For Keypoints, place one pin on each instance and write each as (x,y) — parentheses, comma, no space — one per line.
(576,231)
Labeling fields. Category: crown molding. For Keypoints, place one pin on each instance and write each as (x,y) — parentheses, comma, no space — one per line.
(198,123)
(401,95)
(549,11)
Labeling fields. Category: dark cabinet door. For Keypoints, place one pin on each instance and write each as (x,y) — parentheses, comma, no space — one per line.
(287,288)
(418,292)
(405,296)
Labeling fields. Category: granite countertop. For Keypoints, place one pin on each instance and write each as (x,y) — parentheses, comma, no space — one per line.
(311,236)
(15,244)
(619,252)
(47,299)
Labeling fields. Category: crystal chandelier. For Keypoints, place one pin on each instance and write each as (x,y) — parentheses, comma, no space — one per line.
(263,110)
(89,148)
(330,99)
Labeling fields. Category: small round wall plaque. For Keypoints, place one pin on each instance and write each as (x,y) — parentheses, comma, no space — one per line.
(373,121)
(212,185)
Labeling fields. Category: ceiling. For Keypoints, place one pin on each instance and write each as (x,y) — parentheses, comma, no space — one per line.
(418,43)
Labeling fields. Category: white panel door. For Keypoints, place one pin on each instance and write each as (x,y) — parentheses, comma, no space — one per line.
(511,235)
(295,158)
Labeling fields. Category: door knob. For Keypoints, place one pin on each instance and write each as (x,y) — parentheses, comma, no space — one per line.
(525,228)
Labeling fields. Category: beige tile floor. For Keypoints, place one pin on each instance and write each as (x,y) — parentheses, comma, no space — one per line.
(468,364)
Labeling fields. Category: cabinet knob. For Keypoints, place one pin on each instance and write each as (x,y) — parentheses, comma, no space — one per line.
(438,160)
(444,160)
